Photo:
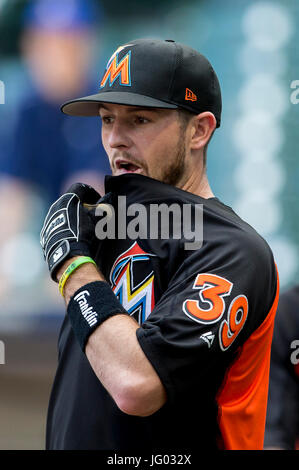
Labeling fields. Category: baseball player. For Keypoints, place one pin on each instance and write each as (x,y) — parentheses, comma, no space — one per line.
(282,423)
(166,339)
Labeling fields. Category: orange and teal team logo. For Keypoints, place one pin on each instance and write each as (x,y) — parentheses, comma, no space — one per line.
(116,69)
(135,292)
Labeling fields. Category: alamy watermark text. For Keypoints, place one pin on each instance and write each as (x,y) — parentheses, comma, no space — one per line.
(294,97)
(154,222)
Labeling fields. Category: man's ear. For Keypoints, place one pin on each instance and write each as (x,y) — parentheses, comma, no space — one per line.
(203,125)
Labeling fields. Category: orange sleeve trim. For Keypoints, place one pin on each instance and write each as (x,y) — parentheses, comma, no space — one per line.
(242,399)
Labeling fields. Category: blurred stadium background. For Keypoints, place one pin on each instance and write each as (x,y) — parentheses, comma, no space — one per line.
(253,162)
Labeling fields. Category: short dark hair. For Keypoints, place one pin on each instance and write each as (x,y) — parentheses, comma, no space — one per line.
(185,116)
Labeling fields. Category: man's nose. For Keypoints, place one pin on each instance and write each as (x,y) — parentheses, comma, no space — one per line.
(119,136)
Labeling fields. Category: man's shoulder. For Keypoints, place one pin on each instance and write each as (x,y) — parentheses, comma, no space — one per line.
(226,230)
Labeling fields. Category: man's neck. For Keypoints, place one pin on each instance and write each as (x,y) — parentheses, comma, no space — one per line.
(199,185)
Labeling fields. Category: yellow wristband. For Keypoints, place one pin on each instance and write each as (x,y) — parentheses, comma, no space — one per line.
(71,268)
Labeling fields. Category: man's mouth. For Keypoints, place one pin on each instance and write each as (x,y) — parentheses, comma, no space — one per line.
(125,166)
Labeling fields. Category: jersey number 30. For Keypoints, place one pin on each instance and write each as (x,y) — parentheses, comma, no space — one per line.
(211,307)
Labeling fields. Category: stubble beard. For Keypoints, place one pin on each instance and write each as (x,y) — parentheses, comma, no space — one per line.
(174,172)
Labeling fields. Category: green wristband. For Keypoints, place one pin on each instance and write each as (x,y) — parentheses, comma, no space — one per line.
(71,268)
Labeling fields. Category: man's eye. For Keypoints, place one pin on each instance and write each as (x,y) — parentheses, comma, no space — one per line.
(106,119)
(141,119)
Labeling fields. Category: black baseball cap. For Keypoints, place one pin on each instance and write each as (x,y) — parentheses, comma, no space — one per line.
(154,73)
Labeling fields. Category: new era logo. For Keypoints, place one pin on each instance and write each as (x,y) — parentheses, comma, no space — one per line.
(190,96)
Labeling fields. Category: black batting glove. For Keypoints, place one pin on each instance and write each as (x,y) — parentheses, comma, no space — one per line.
(69,227)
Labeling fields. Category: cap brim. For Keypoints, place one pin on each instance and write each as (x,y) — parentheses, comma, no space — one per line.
(89,105)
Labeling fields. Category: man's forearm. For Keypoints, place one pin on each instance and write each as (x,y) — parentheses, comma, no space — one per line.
(85,274)
(115,354)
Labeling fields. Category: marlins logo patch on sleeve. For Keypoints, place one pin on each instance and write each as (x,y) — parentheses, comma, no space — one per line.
(132,281)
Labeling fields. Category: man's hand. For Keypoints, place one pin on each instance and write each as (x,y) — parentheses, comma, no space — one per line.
(69,229)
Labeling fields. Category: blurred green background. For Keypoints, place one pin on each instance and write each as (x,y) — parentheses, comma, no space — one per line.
(253,162)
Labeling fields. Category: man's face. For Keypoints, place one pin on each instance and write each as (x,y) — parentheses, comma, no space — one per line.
(148,141)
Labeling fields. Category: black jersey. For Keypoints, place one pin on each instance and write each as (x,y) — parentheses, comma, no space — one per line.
(282,423)
(206,319)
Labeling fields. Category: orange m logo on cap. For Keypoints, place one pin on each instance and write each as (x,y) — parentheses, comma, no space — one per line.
(118,69)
